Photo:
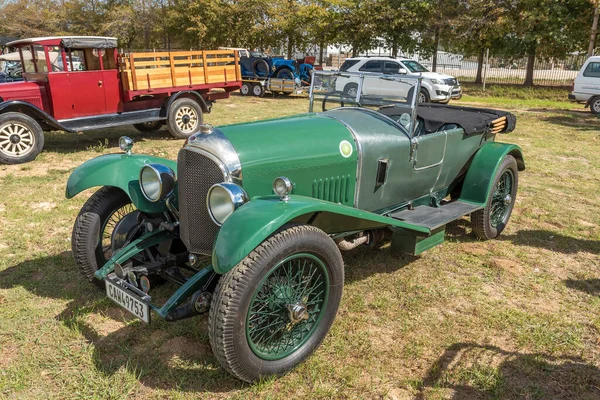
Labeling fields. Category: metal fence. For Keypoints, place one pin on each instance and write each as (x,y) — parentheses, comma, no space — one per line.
(550,72)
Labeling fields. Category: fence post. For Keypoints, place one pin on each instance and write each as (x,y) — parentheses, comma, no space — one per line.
(485,66)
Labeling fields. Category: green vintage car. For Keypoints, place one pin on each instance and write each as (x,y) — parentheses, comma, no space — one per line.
(250,222)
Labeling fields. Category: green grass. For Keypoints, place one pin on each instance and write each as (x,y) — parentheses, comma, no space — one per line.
(515,317)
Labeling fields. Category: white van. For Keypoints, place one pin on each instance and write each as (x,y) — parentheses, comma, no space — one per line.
(586,88)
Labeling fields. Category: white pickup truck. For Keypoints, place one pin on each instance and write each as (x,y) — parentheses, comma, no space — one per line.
(586,88)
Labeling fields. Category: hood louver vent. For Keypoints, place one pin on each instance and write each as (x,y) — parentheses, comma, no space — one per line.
(334,189)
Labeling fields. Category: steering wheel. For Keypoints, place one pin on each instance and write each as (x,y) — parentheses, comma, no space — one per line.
(342,96)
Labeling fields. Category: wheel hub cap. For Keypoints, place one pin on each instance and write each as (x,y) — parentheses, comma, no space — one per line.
(507,199)
(298,312)
(16,139)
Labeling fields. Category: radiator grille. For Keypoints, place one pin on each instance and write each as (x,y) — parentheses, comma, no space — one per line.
(334,189)
(450,81)
(196,173)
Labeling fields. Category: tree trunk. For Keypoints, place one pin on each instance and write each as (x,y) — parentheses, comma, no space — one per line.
(480,65)
(394,48)
(321,45)
(290,47)
(594,29)
(436,43)
(530,65)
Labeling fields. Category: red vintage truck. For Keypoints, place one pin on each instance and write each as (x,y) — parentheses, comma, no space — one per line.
(79,83)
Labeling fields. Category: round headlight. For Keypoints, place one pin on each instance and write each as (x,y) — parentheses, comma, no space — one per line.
(125,143)
(282,186)
(157,181)
(223,199)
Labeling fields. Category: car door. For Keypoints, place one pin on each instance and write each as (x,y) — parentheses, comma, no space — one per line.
(372,84)
(428,152)
(393,89)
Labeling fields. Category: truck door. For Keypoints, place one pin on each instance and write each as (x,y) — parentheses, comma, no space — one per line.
(86,83)
(110,81)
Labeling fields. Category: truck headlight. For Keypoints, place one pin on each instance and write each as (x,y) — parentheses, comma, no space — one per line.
(157,181)
(223,199)
(437,81)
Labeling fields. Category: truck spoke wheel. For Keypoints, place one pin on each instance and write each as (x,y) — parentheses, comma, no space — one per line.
(275,307)
(21,138)
(185,117)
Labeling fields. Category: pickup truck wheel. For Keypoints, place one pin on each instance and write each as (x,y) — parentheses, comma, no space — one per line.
(92,238)
(595,105)
(21,138)
(151,126)
(351,90)
(275,307)
(423,96)
(489,222)
(185,116)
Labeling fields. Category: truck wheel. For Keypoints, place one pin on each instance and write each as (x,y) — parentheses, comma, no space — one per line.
(351,90)
(595,105)
(185,116)
(258,90)
(423,96)
(21,138)
(94,240)
(275,307)
(246,88)
(489,222)
(151,126)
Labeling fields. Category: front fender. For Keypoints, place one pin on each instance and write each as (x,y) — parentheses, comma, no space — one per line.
(255,221)
(483,168)
(119,170)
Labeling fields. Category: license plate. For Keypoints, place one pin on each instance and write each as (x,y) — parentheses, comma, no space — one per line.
(128,301)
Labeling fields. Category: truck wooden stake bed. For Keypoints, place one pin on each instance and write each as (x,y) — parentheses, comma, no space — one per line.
(79,83)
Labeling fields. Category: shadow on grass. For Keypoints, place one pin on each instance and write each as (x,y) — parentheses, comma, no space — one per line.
(589,286)
(583,121)
(474,371)
(552,241)
(67,142)
(166,356)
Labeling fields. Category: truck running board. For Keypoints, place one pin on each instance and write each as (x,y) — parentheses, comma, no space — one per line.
(436,217)
(109,120)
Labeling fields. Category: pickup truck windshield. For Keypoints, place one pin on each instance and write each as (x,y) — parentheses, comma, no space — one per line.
(414,66)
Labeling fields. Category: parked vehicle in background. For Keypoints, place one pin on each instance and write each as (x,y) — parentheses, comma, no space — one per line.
(435,87)
(12,70)
(586,87)
(252,225)
(79,83)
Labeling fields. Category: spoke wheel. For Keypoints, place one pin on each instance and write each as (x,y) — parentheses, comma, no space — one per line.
(107,241)
(287,306)
(490,221)
(275,307)
(21,138)
(285,74)
(185,117)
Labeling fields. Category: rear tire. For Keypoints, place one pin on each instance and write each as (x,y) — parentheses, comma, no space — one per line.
(92,235)
(258,90)
(151,126)
(246,89)
(21,138)
(290,288)
(184,117)
(489,222)
(351,90)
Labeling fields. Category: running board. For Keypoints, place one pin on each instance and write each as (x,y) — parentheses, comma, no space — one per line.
(435,217)
(110,120)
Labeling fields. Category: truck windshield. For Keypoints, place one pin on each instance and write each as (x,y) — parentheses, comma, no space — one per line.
(414,66)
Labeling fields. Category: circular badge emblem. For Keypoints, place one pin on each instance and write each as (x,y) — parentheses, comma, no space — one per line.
(345,148)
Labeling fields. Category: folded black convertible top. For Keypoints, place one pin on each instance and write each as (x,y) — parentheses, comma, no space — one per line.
(471,119)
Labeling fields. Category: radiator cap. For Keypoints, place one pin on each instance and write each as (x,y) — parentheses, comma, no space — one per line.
(206,129)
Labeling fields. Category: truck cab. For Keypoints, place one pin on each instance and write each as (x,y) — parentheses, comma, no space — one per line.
(79,83)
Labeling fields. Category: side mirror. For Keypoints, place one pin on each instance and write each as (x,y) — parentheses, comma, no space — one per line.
(402,71)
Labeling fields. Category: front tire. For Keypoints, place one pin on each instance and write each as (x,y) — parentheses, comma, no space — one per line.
(423,96)
(91,240)
(185,116)
(489,222)
(275,307)
(21,138)
(595,105)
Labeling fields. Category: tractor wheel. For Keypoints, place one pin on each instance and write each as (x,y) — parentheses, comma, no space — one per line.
(489,222)
(275,307)
(21,138)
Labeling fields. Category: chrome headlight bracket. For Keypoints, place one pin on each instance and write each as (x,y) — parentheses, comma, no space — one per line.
(223,199)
